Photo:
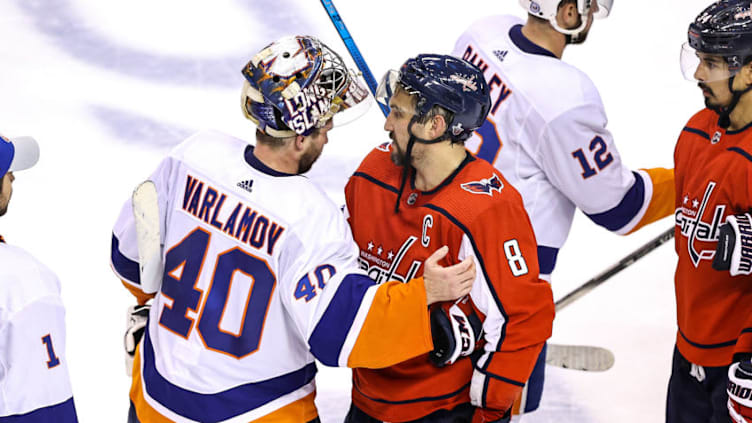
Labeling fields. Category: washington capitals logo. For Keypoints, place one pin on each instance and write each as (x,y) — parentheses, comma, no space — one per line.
(484,186)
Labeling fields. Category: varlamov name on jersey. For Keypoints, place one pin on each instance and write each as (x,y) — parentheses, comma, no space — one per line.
(692,226)
(381,270)
(243,223)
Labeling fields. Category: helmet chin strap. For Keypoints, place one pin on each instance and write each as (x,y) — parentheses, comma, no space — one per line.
(724,120)
(408,156)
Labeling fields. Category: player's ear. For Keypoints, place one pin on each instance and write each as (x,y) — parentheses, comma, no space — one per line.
(299,143)
(745,73)
(567,15)
(438,126)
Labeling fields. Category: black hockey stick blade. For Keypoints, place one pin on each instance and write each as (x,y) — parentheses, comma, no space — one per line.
(616,268)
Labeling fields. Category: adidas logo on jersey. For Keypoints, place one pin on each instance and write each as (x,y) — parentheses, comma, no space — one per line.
(246,185)
(500,54)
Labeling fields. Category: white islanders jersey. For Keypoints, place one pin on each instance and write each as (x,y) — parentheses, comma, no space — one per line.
(260,272)
(34,382)
(546,132)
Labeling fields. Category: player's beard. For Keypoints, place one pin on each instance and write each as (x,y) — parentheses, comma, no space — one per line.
(308,159)
(397,154)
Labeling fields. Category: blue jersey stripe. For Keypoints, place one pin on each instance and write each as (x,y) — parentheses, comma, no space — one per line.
(547,259)
(330,333)
(376,181)
(65,412)
(742,152)
(222,405)
(697,132)
(707,346)
(626,210)
(125,267)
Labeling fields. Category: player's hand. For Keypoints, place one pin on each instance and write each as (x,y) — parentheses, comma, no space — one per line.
(738,389)
(454,333)
(136,319)
(447,283)
(734,249)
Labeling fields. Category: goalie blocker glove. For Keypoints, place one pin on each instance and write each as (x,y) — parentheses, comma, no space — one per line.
(739,390)
(137,317)
(734,249)
(454,333)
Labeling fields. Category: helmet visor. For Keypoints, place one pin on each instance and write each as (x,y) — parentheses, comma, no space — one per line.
(703,67)
(386,87)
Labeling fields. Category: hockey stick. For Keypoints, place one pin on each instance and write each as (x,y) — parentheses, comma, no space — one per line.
(146,215)
(344,34)
(616,268)
(579,357)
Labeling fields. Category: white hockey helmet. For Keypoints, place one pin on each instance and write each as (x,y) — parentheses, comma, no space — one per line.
(546,9)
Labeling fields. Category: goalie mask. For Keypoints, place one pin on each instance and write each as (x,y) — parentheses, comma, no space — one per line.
(296,85)
(547,9)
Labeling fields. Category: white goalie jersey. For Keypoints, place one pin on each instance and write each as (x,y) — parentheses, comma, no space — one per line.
(260,276)
(546,132)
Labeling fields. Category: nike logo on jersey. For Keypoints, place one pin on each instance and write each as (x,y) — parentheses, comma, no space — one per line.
(381,270)
(695,229)
(484,186)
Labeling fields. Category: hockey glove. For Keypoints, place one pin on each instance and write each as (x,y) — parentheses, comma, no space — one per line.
(454,333)
(739,389)
(485,415)
(137,317)
(734,249)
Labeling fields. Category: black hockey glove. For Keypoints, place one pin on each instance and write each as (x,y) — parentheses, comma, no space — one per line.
(137,317)
(739,388)
(454,333)
(734,250)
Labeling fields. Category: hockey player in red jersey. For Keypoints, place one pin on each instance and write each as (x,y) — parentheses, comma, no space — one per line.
(425,190)
(713,165)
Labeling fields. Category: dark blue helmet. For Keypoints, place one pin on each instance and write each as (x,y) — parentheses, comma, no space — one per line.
(724,28)
(452,83)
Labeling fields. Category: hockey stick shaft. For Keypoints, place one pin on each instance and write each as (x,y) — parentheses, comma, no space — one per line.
(616,268)
(344,34)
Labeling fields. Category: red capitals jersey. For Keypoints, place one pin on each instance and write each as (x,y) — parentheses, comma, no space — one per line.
(476,213)
(713,169)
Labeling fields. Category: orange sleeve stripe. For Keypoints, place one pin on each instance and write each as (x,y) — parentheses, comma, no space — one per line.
(662,203)
(396,328)
(140,296)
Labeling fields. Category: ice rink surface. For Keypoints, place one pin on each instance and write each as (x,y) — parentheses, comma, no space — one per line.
(108,87)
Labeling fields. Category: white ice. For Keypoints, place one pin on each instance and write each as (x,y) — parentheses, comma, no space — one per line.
(107,87)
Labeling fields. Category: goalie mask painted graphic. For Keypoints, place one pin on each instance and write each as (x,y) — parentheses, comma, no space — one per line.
(298,84)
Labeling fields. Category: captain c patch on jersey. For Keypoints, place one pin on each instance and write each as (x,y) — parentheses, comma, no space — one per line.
(484,186)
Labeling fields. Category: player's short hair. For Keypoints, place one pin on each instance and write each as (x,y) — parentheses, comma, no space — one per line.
(278,142)
(434,111)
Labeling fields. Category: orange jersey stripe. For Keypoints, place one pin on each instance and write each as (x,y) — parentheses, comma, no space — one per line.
(662,201)
(396,327)
(140,296)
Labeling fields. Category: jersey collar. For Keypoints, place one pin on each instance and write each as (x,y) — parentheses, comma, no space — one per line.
(257,164)
(523,43)
(468,158)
